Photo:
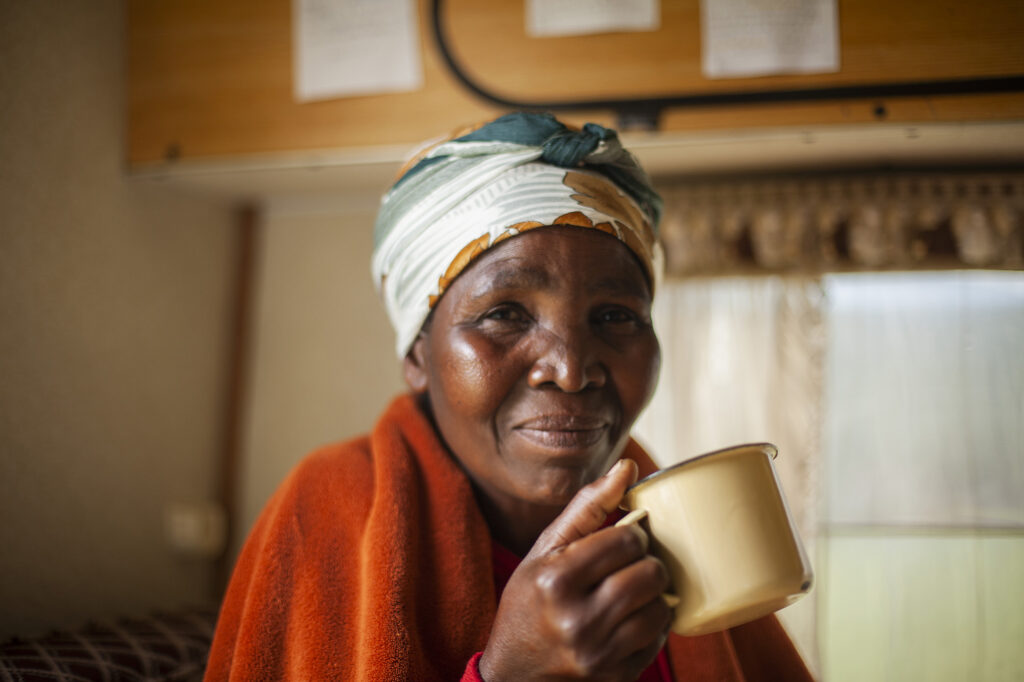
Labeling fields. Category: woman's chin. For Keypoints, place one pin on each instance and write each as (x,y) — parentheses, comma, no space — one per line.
(556,487)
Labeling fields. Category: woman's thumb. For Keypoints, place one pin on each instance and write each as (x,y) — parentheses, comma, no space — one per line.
(588,509)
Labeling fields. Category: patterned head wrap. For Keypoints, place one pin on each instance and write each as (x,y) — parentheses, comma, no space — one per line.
(462,195)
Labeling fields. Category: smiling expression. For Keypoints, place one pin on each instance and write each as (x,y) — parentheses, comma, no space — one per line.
(536,362)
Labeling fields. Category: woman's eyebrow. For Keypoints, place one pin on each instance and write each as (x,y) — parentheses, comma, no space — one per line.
(622,286)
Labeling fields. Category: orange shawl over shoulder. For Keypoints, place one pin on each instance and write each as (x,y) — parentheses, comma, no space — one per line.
(372,561)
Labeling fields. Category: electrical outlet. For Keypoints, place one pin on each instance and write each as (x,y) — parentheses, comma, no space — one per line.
(197,529)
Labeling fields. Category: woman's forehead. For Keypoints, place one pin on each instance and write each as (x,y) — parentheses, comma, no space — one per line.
(553,257)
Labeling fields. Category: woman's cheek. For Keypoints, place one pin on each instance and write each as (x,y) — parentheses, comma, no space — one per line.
(473,368)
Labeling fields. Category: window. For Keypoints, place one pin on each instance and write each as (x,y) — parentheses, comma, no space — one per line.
(921,534)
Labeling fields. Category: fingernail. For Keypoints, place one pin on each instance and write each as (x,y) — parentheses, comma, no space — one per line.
(635,516)
(631,465)
(616,468)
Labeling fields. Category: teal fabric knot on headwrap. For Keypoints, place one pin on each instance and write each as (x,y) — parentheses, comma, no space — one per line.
(469,192)
(570,148)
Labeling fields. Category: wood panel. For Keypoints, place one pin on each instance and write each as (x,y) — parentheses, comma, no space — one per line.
(881,41)
(213,79)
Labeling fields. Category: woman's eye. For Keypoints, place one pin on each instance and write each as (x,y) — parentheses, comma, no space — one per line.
(616,316)
(506,313)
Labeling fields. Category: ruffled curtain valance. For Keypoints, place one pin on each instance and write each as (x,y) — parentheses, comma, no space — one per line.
(826,223)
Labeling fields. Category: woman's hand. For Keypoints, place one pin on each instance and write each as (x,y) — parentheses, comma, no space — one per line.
(585,602)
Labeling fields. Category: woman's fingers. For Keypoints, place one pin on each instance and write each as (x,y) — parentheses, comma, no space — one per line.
(609,592)
(631,589)
(645,627)
(637,661)
(629,648)
(593,558)
(588,509)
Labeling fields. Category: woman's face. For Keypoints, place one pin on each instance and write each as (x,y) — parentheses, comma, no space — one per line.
(536,362)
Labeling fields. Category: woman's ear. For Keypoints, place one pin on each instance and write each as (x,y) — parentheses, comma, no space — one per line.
(415,366)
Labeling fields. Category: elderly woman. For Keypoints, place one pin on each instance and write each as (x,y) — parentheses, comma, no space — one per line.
(469,534)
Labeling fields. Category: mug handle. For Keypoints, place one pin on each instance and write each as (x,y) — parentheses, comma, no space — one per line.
(632,518)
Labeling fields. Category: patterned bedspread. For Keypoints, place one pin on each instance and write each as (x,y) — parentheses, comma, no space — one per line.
(168,647)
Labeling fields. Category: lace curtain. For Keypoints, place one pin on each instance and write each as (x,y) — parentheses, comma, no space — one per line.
(742,362)
(842,222)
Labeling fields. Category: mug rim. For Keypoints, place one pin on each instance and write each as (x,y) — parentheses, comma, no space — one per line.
(768,448)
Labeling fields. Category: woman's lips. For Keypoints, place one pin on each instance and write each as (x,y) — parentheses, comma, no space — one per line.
(563,432)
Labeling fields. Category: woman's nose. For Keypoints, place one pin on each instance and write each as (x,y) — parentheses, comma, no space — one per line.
(567,358)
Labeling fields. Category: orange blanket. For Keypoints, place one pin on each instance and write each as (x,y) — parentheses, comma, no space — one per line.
(372,561)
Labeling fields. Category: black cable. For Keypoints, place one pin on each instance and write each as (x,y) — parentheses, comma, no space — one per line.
(645,112)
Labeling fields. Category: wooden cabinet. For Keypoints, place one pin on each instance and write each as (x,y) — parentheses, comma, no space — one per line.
(213,78)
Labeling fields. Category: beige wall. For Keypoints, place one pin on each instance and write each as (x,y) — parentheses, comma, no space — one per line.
(323,363)
(113,301)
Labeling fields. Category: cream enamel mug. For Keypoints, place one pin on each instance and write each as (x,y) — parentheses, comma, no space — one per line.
(720,524)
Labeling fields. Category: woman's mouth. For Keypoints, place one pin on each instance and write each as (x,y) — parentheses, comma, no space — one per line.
(563,432)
